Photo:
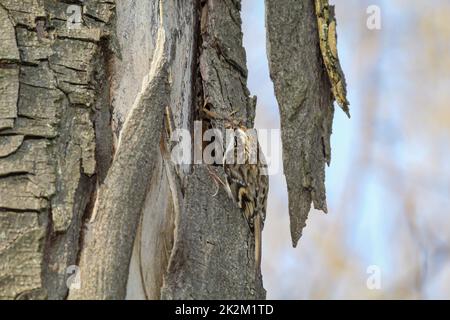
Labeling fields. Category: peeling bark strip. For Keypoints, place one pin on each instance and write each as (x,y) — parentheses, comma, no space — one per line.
(107,250)
(47,139)
(326,22)
(303,92)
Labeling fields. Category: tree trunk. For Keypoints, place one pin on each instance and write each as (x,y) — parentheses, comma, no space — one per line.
(91,204)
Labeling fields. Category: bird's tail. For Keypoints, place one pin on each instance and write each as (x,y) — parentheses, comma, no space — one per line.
(258,244)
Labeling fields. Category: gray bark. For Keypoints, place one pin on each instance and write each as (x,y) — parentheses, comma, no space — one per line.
(305,101)
(86,178)
(213,253)
(111,230)
(50,77)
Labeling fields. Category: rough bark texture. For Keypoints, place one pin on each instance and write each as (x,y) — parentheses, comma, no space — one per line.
(65,200)
(222,65)
(213,253)
(49,78)
(305,101)
(213,256)
(86,177)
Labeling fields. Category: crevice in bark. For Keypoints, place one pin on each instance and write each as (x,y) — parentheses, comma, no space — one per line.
(102,112)
(105,261)
(212,239)
(198,101)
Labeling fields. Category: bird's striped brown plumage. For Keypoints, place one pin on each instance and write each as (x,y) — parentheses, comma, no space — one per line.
(247,182)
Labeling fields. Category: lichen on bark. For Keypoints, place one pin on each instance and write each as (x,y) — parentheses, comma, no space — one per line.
(326,22)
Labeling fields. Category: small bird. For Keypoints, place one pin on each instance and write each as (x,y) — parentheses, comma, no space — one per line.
(247,183)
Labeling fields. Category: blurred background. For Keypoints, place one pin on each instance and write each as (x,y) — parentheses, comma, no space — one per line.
(388,184)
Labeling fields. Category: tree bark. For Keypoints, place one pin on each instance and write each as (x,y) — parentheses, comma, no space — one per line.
(53,80)
(305,101)
(87,181)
